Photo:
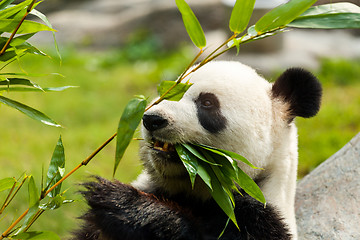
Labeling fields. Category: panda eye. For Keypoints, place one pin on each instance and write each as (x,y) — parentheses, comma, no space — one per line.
(207,101)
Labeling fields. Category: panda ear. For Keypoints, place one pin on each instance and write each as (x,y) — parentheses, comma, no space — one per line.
(300,90)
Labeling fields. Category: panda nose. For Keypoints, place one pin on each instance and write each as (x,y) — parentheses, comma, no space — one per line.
(154,122)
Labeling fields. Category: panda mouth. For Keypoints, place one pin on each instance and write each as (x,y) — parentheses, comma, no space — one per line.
(163,146)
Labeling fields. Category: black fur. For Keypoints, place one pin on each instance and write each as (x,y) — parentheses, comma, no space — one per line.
(301,89)
(121,212)
(209,114)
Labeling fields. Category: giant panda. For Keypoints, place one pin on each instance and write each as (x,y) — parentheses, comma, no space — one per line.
(229,106)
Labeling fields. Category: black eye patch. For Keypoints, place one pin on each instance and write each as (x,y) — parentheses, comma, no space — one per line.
(209,114)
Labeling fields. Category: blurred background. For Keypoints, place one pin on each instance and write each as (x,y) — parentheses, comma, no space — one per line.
(115,49)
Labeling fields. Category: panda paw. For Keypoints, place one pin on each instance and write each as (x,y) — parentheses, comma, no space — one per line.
(119,211)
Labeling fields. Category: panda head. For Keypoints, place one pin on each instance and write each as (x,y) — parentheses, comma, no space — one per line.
(229,106)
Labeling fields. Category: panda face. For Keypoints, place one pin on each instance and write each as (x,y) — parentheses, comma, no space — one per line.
(228,106)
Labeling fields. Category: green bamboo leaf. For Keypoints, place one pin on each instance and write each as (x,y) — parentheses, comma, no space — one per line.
(47,22)
(30,112)
(231,169)
(227,154)
(15,52)
(176,93)
(250,187)
(195,152)
(7,183)
(26,89)
(17,40)
(29,75)
(58,89)
(190,162)
(29,216)
(20,81)
(200,170)
(220,195)
(329,16)
(282,15)
(38,235)
(19,15)
(332,8)
(13,9)
(226,179)
(129,121)
(240,15)
(55,202)
(55,171)
(8,25)
(33,193)
(9,55)
(5,3)
(191,23)
(28,49)
(204,175)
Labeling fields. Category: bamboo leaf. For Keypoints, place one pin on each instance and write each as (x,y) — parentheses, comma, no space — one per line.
(240,15)
(220,195)
(190,162)
(227,154)
(33,193)
(17,40)
(196,153)
(13,9)
(9,55)
(29,216)
(20,81)
(5,3)
(191,23)
(19,15)
(26,89)
(7,183)
(204,175)
(55,203)
(329,16)
(47,22)
(29,49)
(38,235)
(176,93)
(29,75)
(8,25)
(129,121)
(226,180)
(282,15)
(30,112)
(250,187)
(200,169)
(55,172)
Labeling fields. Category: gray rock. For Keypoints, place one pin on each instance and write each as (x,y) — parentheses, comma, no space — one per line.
(327,200)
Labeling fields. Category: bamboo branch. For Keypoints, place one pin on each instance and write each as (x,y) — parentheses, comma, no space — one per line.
(5,234)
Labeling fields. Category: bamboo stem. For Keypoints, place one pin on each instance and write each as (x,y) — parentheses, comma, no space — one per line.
(7,198)
(5,234)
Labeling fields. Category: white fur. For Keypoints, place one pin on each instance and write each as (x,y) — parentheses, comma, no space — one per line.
(256,128)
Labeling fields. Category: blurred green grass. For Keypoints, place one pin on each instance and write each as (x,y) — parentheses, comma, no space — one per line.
(90,114)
